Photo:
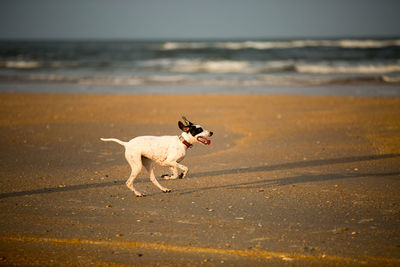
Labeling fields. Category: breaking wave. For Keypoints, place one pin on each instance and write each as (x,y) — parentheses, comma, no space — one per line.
(216,66)
(168,65)
(358,69)
(265,45)
(232,66)
(259,80)
(20,64)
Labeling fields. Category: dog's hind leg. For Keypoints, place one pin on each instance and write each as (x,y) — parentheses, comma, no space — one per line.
(136,164)
(148,164)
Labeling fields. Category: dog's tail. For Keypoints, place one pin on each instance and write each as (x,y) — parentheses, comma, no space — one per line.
(122,143)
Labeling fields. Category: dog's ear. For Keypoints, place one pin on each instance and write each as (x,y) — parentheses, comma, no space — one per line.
(187,122)
(183,127)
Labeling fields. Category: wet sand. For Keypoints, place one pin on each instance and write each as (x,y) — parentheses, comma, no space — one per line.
(288,180)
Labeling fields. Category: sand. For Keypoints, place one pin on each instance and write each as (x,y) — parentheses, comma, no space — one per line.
(294,179)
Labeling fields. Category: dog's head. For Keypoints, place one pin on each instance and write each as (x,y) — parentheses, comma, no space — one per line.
(194,132)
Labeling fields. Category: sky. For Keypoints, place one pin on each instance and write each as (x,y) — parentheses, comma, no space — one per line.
(198,19)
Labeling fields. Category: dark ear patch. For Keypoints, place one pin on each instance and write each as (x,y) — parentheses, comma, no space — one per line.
(183,127)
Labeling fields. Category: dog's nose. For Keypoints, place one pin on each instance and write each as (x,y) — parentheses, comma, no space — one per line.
(211,133)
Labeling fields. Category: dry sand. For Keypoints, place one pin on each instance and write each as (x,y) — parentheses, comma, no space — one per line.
(288,180)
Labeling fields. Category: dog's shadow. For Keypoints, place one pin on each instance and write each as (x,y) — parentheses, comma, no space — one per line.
(254,184)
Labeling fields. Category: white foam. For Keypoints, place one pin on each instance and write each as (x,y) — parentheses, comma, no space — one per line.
(234,66)
(190,80)
(264,45)
(21,64)
(211,66)
(367,43)
(217,66)
(391,79)
(361,69)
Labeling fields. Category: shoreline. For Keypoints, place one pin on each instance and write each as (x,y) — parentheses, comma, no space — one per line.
(366,90)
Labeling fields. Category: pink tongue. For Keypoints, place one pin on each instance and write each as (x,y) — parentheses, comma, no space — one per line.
(209,142)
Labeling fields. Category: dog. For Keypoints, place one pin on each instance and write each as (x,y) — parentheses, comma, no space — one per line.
(163,150)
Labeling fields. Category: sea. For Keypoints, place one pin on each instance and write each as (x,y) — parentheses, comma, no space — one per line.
(362,66)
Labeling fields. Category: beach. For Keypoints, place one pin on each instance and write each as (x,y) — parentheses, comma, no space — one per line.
(288,180)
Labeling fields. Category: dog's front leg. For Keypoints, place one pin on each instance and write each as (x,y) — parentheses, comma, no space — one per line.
(174,167)
(172,176)
(184,170)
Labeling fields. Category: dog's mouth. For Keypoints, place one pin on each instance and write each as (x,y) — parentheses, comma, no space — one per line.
(203,140)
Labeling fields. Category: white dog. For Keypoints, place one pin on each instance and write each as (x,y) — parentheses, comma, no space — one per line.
(164,150)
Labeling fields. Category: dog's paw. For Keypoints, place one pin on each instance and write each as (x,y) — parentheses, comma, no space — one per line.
(140,195)
(166,190)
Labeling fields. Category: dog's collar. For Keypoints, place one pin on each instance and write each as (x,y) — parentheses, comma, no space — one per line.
(186,143)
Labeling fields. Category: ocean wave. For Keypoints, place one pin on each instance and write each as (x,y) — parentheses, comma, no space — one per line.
(391,79)
(258,80)
(266,45)
(232,66)
(359,69)
(114,80)
(20,64)
(181,65)
(212,66)
(217,66)
(32,64)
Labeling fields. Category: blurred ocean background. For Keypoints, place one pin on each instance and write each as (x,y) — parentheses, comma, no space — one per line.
(228,63)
